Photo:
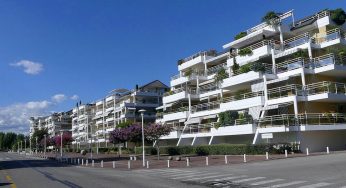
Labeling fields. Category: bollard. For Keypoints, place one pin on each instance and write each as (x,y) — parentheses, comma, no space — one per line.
(86,162)
(286,153)
(92,163)
(128,164)
(307,151)
(135,158)
(168,163)
(226,161)
(187,161)
(102,164)
(147,164)
(82,162)
(78,161)
(113,164)
(327,150)
(267,156)
(131,158)
(244,158)
(206,161)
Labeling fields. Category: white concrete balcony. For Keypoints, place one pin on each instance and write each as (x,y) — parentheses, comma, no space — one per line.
(292,45)
(332,37)
(147,93)
(196,59)
(178,94)
(110,98)
(205,109)
(285,91)
(109,129)
(99,122)
(242,101)
(109,109)
(99,113)
(256,33)
(326,91)
(233,82)
(176,115)
(260,49)
(110,119)
(302,122)
(99,103)
(172,135)
(180,79)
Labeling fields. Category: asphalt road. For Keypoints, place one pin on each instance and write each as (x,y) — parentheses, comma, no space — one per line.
(304,172)
(24,172)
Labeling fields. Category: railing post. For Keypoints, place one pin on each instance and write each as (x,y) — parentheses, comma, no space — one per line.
(206,161)
(267,156)
(82,162)
(113,164)
(92,163)
(286,153)
(226,161)
(187,161)
(147,164)
(168,163)
(102,164)
(128,164)
(327,150)
(244,158)
(307,151)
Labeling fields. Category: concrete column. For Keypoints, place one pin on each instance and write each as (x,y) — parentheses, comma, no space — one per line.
(273,61)
(281,37)
(309,49)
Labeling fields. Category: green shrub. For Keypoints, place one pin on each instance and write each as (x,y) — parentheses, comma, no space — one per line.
(220,75)
(301,53)
(245,68)
(271,18)
(240,35)
(235,67)
(258,67)
(338,16)
(244,52)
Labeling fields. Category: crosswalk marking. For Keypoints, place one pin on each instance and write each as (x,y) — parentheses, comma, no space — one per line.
(287,184)
(267,181)
(183,174)
(323,184)
(212,173)
(248,179)
(204,177)
(225,179)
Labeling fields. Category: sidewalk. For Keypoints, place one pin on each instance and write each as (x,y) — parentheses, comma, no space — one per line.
(125,163)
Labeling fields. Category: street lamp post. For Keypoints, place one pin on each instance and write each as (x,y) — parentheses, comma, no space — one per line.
(25,146)
(45,144)
(21,145)
(61,143)
(36,145)
(142,114)
(30,145)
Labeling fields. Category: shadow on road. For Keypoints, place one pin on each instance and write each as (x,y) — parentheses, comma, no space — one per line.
(4,184)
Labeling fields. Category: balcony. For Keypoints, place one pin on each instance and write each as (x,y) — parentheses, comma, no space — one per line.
(99,113)
(235,81)
(260,49)
(205,107)
(309,119)
(110,119)
(176,114)
(292,45)
(285,91)
(215,69)
(99,122)
(180,79)
(178,94)
(326,91)
(332,37)
(109,108)
(242,101)
(195,59)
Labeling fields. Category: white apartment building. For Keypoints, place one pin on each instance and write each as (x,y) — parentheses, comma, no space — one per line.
(122,105)
(82,124)
(54,123)
(284,80)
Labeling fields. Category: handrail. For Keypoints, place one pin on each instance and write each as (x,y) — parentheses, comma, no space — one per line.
(200,53)
(284,91)
(205,106)
(180,109)
(242,96)
(303,119)
(325,87)
(290,64)
(260,44)
(216,68)
(329,35)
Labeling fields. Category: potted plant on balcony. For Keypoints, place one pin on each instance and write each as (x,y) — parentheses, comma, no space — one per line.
(338,16)
(188,73)
(235,67)
(245,68)
(221,75)
(271,18)
(180,61)
(240,35)
(301,53)
(245,51)
(258,67)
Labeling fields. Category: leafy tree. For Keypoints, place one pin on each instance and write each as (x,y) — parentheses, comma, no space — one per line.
(66,139)
(39,134)
(338,16)
(153,132)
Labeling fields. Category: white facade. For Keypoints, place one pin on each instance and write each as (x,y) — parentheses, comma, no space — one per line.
(288,79)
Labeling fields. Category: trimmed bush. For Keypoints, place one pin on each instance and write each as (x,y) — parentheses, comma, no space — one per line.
(240,35)
(245,51)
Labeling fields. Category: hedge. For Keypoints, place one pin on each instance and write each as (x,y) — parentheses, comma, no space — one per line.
(220,149)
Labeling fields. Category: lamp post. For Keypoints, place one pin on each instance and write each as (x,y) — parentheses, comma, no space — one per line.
(30,145)
(61,143)
(21,145)
(45,144)
(36,145)
(25,146)
(142,114)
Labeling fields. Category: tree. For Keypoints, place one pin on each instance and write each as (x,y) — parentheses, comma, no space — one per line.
(153,132)
(66,139)
(39,134)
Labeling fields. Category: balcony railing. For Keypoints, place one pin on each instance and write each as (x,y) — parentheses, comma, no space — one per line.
(206,128)
(260,44)
(303,119)
(205,106)
(285,91)
(193,75)
(201,53)
(325,87)
(208,87)
(180,109)
(216,68)
(242,96)
(189,90)
(330,35)
(290,65)
(296,41)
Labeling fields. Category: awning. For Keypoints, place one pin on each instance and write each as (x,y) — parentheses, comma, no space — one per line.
(210,116)
(193,121)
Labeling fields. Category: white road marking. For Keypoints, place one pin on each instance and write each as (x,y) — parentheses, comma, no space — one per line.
(287,184)
(323,184)
(228,178)
(183,174)
(205,177)
(267,181)
(248,179)
(213,173)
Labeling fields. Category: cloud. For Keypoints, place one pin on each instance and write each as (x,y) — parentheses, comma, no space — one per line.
(29,67)
(15,117)
(74,97)
(58,98)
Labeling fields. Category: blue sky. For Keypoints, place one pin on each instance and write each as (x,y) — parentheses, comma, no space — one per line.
(53,51)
